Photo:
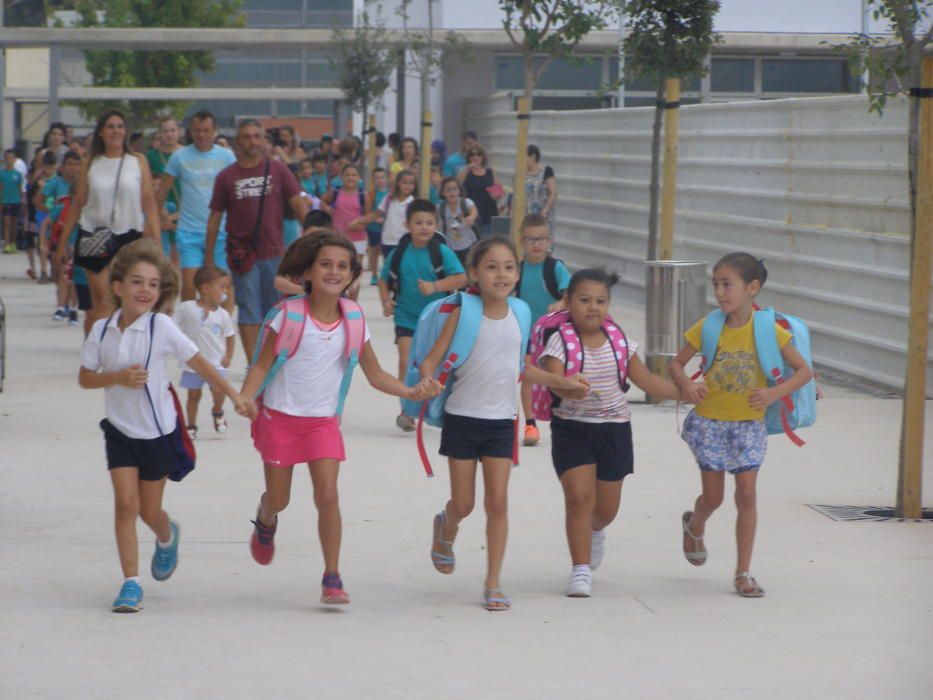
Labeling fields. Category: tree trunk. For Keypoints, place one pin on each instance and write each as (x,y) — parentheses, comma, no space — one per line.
(654,187)
(424,179)
(523,115)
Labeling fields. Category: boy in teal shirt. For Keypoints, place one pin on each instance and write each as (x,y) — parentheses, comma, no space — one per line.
(11,183)
(408,287)
(541,285)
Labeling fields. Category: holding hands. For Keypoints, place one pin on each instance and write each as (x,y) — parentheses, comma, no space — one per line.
(573,388)
(244,406)
(694,392)
(427,388)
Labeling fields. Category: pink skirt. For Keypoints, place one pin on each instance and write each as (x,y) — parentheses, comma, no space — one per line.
(283,440)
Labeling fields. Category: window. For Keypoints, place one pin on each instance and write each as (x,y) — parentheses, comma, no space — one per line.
(733,75)
(790,75)
(562,74)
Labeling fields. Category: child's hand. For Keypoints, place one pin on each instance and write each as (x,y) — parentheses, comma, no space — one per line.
(225,361)
(556,306)
(429,387)
(133,377)
(355,225)
(695,393)
(244,406)
(575,387)
(427,288)
(388,307)
(762,398)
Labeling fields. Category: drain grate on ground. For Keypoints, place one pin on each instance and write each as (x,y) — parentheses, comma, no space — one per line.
(879,514)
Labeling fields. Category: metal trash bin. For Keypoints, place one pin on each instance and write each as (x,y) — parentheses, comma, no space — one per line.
(675,291)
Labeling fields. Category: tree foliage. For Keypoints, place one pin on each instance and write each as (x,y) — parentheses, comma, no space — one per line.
(666,39)
(550,29)
(363,61)
(425,57)
(151,68)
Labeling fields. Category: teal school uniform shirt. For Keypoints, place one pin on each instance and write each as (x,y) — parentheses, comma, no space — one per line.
(454,164)
(533,291)
(377,227)
(318,185)
(55,188)
(12,181)
(416,265)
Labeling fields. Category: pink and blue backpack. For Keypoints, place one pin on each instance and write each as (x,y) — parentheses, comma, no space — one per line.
(287,340)
(430,324)
(798,410)
(542,400)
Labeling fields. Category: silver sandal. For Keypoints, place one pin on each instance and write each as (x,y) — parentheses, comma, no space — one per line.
(698,555)
(756,590)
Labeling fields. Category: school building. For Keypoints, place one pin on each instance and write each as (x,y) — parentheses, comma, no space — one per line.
(765,54)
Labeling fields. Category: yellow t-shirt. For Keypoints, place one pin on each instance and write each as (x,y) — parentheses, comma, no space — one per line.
(735,372)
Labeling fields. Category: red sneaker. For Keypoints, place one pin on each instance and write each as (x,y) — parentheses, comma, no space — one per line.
(332,592)
(262,543)
(30,273)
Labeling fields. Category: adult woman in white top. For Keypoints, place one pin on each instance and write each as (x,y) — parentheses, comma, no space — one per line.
(126,208)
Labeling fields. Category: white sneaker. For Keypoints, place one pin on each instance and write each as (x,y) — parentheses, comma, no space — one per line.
(580,584)
(597,548)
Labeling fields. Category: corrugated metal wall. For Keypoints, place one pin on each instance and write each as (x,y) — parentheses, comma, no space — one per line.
(817,187)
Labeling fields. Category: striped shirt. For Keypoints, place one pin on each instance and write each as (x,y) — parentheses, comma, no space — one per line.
(606,401)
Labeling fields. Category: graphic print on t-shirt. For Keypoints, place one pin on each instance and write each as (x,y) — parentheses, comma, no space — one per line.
(735,372)
(251,187)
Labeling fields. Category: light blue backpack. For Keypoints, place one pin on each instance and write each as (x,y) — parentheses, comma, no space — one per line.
(430,324)
(795,411)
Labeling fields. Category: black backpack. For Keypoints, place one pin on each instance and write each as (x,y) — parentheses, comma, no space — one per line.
(550,277)
(434,250)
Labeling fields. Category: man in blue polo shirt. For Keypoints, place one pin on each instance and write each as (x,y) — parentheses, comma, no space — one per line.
(193,169)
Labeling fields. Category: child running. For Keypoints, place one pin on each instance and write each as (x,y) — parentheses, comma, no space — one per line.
(480,413)
(542,282)
(392,211)
(209,326)
(726,431)
(125,355)
(456,215)
(411,279)
(298,420)
(591,439)
(374,230)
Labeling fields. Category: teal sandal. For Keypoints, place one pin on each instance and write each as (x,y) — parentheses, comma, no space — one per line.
(496,600)
(441,559)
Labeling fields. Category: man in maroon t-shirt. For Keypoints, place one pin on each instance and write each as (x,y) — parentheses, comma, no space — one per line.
(254,247)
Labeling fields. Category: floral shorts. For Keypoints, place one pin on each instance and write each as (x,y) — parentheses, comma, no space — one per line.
(723,445)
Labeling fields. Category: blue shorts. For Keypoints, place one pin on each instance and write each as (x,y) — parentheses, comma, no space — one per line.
(374,235)
(255,291)
(168,240)
(193,380)
(463,437)
(191,249)
(726,445)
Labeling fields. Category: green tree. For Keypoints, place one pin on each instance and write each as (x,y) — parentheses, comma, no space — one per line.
(544,30)
(665,39)
(150,68)
(363,60)
(427,59)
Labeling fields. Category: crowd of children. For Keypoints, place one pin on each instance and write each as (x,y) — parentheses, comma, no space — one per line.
(537,337)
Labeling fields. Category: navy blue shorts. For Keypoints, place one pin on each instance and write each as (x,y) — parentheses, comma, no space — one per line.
(402,332)
(84,296)
(463,437)
(154,458)
(607,445)
(374,237)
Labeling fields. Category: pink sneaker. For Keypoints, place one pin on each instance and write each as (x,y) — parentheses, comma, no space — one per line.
(262,543)
(332,592)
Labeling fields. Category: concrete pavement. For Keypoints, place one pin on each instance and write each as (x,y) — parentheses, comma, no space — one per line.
(848,612)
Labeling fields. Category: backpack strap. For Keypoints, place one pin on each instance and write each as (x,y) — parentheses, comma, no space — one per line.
(287,340)
(523,315)
(772,363)
(619,343)
(355,332)
(549,272)
(394,279)
(712,329)
(437,255)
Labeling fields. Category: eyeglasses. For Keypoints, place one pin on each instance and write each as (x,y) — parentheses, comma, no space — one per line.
(536,240)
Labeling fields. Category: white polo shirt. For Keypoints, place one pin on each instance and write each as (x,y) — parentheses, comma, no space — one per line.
(128,409)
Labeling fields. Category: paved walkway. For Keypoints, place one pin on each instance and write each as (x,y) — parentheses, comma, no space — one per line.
(848,614)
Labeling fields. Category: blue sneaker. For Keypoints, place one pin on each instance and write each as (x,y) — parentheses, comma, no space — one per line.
(165,559)
(131,595)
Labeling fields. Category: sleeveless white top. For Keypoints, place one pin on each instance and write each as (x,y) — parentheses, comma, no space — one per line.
(101,181)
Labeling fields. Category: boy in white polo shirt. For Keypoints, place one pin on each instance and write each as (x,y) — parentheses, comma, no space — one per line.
(209,325)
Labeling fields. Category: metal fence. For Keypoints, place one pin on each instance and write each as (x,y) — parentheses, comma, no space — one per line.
(817,187)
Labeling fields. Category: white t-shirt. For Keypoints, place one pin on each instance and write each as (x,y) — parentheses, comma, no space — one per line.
(208,329)
(606,402)
(393,228)
(308,384)
(486,384)
(128,409)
